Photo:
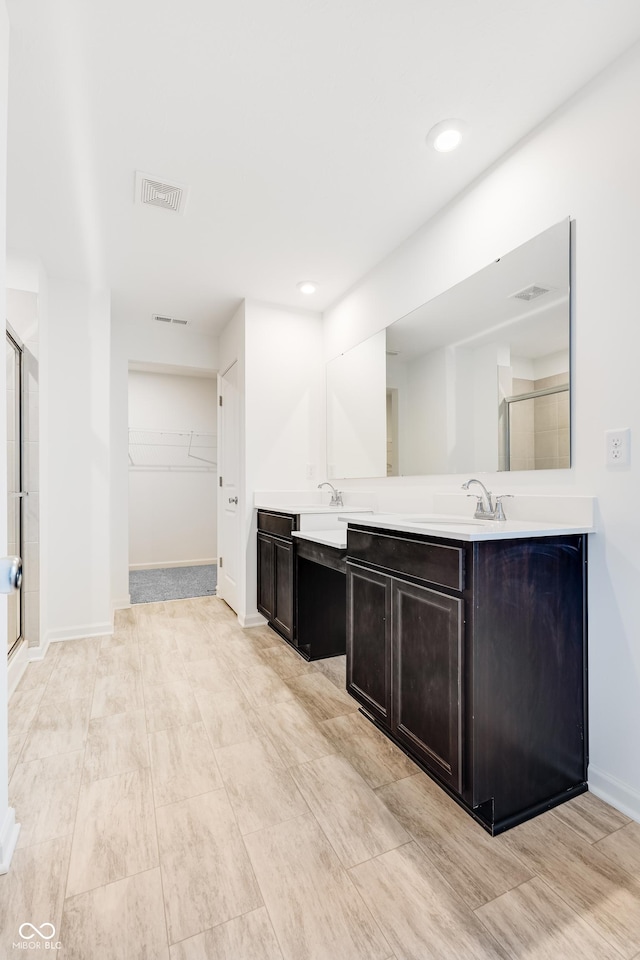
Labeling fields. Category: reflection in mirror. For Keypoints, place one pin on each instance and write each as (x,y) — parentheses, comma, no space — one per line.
(476,379)
(356,420)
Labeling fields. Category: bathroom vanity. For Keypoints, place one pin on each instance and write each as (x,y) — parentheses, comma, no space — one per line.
(466,642)
(466,645)
(302,577)
(321,593)
(275,569)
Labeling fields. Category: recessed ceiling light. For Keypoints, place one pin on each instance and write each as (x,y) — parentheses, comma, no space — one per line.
(446,135)
(307,287)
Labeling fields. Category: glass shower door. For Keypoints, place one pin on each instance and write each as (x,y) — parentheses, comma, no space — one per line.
(14,482)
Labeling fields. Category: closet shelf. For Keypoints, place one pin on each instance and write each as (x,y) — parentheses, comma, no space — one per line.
(172,450)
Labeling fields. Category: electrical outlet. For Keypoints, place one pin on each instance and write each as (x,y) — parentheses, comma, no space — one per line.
(311,471)
(618,447)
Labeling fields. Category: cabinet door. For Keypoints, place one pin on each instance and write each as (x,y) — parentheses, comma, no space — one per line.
(265,576)
(369,640)
(427,695)
(283,588)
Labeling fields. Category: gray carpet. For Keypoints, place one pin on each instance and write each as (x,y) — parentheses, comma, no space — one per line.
(172,583)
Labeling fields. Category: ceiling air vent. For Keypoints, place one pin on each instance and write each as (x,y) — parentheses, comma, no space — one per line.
(530,293)
(150,191)
(162,319)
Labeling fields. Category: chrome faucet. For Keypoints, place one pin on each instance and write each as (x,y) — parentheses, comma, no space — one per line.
(336,496)
(487,508)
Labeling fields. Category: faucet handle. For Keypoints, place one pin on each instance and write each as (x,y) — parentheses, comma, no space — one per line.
(480,510)
(499,510)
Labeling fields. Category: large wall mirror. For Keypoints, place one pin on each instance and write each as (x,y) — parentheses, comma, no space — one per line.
(477,379)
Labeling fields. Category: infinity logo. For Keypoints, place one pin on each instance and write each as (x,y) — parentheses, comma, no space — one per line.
(40,932)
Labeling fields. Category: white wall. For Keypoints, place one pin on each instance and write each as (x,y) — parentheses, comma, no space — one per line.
(170,347)
(8,828)
(76,447)
(426,412)
(172,512)
(284,411)
(483,408)
(282,416)
(550,365)
(285,397)
(356,411)
(567,167)
(73,450)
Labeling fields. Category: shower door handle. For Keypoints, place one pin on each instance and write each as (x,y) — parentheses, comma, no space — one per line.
(10,574)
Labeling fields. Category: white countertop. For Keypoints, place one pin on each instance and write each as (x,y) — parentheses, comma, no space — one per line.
(329,538)
(314,516)
(309,508)
(464,528)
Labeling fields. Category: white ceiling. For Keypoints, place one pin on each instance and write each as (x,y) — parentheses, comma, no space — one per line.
(298,125)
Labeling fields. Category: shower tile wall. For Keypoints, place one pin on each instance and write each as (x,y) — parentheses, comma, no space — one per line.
(540,428)
(551,415)
(522,438)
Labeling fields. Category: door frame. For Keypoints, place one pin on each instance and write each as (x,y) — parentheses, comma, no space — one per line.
(240,506)
(17,343)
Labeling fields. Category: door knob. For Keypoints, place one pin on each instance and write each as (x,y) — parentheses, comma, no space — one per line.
(10,574)
(233,499)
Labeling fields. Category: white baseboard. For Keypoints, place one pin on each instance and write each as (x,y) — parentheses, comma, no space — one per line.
(39,653)
(8,839)
(123,604)
(78,633)
(173,563)
(17,666)
(615,792)
(19,663)
(251,620)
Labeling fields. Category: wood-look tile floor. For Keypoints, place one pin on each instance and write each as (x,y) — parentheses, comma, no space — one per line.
(189,790)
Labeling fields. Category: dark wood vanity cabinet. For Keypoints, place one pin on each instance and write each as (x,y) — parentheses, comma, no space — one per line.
(301,587)
(472,658)
(403,647)
(276,571)
(369,640)
(321,598)
(427,671)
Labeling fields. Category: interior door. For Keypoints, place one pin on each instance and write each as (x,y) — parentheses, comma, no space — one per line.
(229,485)
(14,484)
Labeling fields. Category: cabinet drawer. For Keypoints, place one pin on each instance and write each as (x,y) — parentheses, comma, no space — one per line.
(321,554)
(280,524)
(437,563)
